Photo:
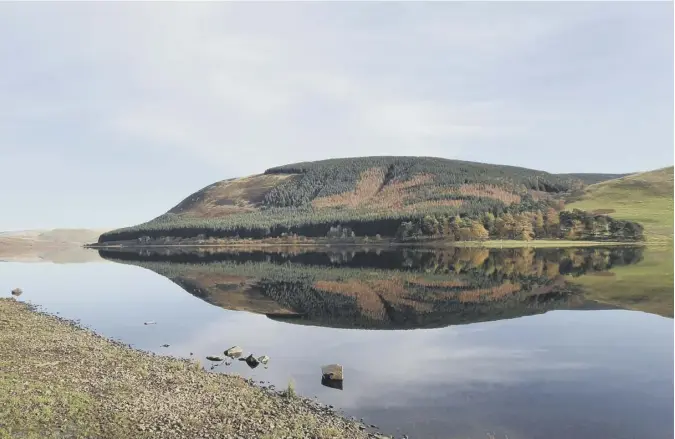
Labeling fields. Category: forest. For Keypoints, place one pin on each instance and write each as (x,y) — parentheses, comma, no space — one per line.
(402,198)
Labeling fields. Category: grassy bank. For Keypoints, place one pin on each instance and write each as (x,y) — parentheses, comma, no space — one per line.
(58,380)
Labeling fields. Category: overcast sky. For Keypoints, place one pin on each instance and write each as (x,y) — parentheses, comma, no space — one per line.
(111,113)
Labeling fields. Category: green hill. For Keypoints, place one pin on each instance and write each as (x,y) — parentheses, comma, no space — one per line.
(408,198)
(648,199)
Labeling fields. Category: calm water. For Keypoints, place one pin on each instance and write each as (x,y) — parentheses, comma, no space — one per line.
(460,344)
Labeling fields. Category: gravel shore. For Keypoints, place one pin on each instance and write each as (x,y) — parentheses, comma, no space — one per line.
(58,380)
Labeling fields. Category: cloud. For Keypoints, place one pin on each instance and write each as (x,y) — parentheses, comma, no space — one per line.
(234,88)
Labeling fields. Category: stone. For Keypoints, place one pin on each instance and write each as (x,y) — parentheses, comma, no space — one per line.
(234,352)
(332,372)
(263,359)
(252,361)
(150,323)
(210,358)
(17,292)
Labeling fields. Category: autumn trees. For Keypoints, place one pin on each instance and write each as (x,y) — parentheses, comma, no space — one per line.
(524,226)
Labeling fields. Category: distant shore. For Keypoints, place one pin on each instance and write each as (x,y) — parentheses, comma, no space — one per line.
(59,379)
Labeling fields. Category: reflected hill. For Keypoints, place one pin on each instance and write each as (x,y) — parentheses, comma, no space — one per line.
(384,289)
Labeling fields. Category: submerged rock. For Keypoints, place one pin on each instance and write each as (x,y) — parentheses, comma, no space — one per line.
(263,359)
(17,292)
(332,372)
(333,384)
(210,358)
(234,352)
(150,323)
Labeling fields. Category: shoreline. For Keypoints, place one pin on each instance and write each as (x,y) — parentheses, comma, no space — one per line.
(58,378)
(382,245)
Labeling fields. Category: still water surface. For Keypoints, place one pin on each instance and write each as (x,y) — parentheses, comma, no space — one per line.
(460,344)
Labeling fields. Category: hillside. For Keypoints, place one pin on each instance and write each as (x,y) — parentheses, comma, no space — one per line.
(648,199)
(395,197)
(57,245)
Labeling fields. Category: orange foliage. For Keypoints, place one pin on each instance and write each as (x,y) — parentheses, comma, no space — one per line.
(489,191)
(371,191)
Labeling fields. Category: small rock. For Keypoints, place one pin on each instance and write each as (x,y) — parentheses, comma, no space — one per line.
(165,345)
(17,292)
(150,323)
(210,358)
(264,359)
(234,352)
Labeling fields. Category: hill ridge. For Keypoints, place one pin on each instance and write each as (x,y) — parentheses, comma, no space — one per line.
(392,196)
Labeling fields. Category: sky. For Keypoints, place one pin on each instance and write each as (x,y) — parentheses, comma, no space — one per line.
(111,113)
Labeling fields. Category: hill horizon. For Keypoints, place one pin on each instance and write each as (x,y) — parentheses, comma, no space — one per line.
(401,197)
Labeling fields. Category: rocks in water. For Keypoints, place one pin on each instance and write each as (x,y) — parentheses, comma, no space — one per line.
(213,358)
(16,292)
(331,376)
(263,359)
(252,361)
(150,323)
(165,345)
(332,371)
(234,352)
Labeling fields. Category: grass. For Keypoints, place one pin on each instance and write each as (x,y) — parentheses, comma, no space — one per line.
(290,390)
(648,199)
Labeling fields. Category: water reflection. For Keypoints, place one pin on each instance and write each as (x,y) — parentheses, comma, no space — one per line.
(558,375)
(385,289)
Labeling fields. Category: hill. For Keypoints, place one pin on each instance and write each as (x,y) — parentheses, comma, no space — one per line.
(57,245)
(402,197)
(648,199)
(588,178)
